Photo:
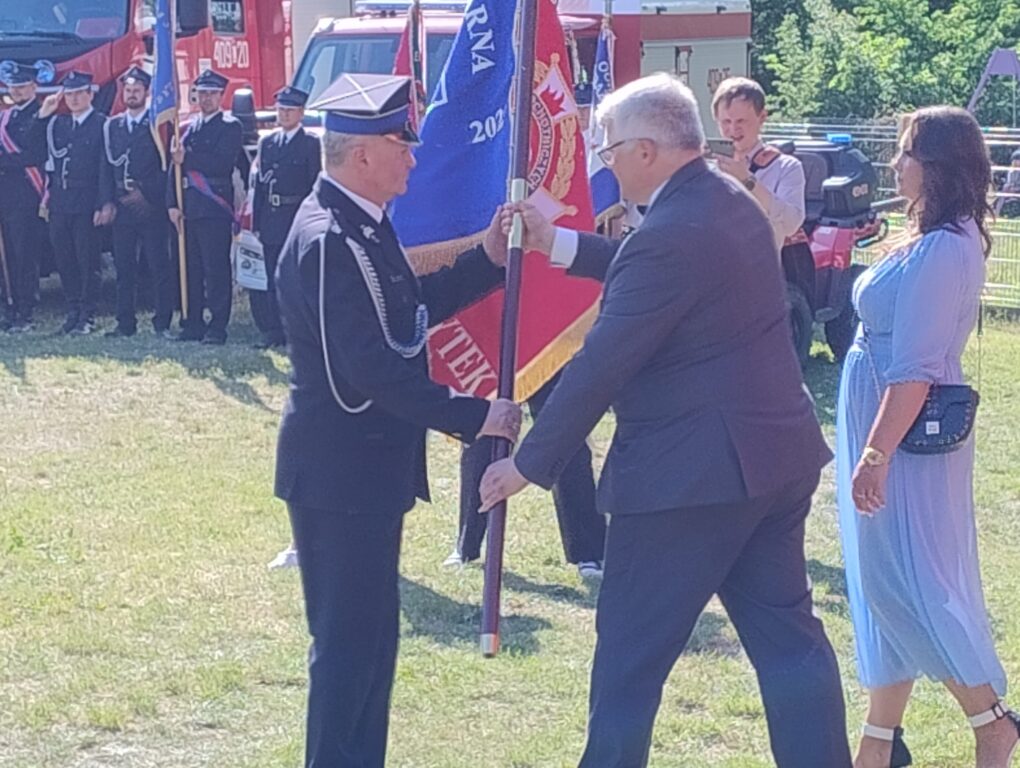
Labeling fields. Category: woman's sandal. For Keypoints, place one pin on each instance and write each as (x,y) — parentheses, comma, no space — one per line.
(900,757)
(998,712)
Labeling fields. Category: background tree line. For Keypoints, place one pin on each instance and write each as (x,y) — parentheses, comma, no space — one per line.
(879,58)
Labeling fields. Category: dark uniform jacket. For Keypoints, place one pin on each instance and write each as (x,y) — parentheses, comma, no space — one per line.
(353,431)
(212,150)
(285,176)
(135,160)
(16,190)
(81,180)
(692,349)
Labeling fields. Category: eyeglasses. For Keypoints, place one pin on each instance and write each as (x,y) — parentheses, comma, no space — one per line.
(608,154)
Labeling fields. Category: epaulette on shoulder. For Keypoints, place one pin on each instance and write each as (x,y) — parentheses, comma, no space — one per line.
(229,118)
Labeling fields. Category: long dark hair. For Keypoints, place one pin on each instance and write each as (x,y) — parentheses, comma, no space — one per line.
(957,171)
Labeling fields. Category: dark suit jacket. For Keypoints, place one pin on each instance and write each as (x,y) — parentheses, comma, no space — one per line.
(16,190)
(285,176)
(692,349)
(143,167)
(212,150)
(371,460)
(81,180)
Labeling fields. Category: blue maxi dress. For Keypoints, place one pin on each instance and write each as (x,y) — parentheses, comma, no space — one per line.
(912,569)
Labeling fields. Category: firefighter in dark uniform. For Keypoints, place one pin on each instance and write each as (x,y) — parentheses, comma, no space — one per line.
(288,163)
(208,154)
(22,185)
(141,221)
(351,452)
(81,196)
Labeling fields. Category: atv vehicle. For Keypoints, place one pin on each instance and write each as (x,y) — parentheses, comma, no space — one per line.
(840,189)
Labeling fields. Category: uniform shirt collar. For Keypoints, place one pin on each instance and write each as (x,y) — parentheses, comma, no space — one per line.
(202,119)
(132,122)
(373,210)
(79,119)
(288,135)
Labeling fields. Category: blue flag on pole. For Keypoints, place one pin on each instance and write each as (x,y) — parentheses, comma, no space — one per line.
(465,135)
(605,191)
(163,106)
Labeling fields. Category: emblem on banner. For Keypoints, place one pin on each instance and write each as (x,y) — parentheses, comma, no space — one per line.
(554,136)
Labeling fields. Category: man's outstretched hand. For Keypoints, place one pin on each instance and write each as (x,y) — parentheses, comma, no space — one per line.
(501,481)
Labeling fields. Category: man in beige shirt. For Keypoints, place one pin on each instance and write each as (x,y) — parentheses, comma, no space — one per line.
(774,179)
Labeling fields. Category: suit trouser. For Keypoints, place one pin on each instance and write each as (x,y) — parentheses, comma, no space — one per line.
(582,528)
(209,279)
(148,231)
(22,232)
(264,308)
(349,571)
(76,247)
(660,571)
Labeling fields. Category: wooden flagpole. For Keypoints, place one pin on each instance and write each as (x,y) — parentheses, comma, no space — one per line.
(527,24)
(182,251)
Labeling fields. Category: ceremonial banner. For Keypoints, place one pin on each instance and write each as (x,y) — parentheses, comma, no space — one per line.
(605,191)
(461,179)
(163,106)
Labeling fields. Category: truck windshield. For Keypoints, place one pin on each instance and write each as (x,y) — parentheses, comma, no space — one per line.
(63,19)
(329,57)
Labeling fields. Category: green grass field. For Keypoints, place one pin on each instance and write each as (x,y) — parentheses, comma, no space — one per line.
(139,626)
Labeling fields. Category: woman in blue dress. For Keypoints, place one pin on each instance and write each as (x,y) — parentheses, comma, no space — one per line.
(907,520)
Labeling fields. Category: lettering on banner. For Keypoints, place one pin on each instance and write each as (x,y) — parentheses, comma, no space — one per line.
(488,129)
(451,343)
(482,40)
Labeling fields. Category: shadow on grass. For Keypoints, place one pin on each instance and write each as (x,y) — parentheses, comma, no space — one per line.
(822,378)
(227,367)
(708,637)
(829,576)
(448,622)
(559,593)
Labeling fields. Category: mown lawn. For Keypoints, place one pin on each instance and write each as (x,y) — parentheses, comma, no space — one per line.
(139,625)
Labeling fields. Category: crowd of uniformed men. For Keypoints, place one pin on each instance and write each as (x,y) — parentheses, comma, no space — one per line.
(67,175)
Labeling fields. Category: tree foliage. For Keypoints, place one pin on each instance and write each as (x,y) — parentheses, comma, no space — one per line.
(878,58)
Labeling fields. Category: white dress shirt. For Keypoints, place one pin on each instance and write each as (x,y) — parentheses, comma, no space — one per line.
(564,249)
(367,206)
(784,179)
(284,137)
(79,119)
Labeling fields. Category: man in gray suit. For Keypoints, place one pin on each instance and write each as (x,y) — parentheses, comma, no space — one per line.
(717,451)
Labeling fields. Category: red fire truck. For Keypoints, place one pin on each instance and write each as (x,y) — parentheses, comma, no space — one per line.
(701,42)
(249,41)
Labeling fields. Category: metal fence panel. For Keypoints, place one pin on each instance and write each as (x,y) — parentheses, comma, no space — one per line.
(878,141)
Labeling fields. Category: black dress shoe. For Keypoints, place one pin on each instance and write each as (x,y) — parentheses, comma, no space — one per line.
(214,339)
(189,336)
(120,332)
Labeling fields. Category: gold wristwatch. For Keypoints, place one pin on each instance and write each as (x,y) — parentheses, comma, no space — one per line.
(874,457)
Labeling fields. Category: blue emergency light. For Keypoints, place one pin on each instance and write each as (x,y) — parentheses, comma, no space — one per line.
(839,138)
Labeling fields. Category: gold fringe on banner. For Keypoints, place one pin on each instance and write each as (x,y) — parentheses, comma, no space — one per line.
(614,211)
(556,354)
(426,259)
